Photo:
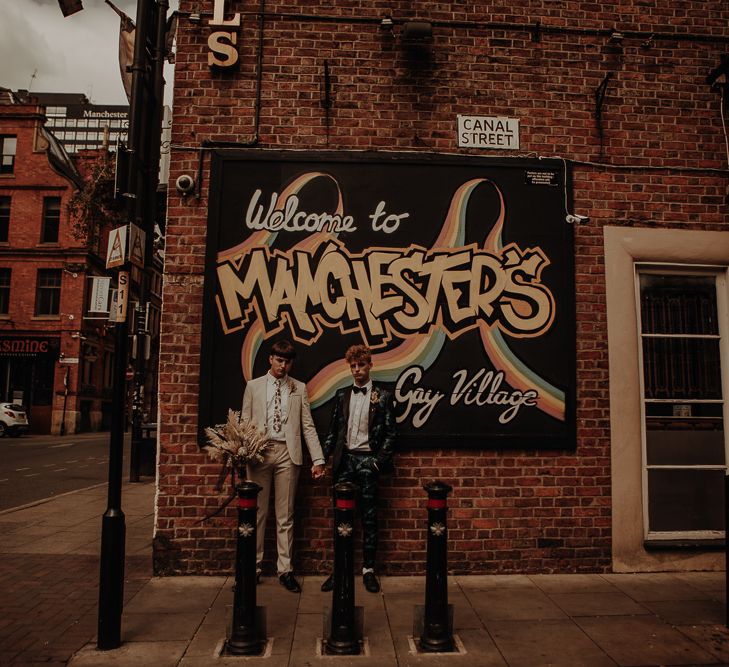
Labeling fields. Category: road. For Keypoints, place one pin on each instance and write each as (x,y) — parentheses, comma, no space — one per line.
(42,466)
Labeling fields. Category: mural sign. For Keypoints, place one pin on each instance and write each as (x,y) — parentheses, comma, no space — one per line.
(456,271)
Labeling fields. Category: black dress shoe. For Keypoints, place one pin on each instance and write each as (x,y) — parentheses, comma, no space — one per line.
(370,582)
(328,584)
(289,583)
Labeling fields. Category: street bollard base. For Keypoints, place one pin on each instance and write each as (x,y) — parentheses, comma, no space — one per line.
(358,622)
(248,645)
(435,638)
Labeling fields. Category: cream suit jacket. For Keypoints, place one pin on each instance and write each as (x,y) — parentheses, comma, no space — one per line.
(296,420)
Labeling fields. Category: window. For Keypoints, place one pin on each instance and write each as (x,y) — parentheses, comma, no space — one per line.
(683,403)
(4,291)
(4,218)
(8,145)
(51,219)
(48,292)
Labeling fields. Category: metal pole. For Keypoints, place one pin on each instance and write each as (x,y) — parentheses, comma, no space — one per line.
(65,399)
(437,634)
(113,527)
(726,544)
(245,637)
(342,639)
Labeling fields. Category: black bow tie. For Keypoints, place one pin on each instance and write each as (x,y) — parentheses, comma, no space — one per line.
(359,390)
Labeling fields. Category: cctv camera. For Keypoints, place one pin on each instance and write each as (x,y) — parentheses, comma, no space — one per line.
(185,184)
(574,219)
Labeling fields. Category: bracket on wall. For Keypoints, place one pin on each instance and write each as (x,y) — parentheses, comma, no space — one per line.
(600,93)
(537,32)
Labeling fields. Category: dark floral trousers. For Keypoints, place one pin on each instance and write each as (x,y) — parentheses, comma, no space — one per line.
(360,470)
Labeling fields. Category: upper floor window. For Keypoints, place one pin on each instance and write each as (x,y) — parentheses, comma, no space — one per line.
(48,292)
(684,360)
(51,219)
(4,218)
(8,145)
(4,291)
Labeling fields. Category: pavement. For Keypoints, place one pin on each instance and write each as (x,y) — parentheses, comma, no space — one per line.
(49,596)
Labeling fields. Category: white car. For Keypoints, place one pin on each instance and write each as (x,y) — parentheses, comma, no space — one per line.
(13,420)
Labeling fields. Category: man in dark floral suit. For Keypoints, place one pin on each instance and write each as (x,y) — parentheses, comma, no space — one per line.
(362,438)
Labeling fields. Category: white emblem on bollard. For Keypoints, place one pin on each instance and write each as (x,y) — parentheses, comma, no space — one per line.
(245,530)
(438,529)
(344,529)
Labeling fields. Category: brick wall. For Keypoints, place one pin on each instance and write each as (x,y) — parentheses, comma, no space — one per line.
(660,162)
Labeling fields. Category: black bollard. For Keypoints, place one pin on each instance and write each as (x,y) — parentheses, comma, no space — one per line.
(246,638)
(437,634)
(342,639)
(726,544)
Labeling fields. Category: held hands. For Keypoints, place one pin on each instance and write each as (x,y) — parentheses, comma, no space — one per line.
(318,471)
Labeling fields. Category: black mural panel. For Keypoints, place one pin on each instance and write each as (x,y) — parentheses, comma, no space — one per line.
(458,272)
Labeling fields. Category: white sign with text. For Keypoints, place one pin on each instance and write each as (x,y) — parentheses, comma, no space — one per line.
(497,132)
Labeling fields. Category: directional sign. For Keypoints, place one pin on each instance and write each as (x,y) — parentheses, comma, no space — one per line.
(117,247)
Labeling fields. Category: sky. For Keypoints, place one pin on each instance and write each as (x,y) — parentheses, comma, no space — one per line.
(42,51)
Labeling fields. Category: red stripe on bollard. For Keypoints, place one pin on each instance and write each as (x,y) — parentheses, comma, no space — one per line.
(344,504)
(247,503)
(436,503)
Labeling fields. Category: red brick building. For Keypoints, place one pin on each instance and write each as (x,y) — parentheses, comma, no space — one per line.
(56,354)
(577,154)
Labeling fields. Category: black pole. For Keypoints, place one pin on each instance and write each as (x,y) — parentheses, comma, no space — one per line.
(113,527)
(437,634)
(65,399)
(726,543)
(342,639)
(245,637)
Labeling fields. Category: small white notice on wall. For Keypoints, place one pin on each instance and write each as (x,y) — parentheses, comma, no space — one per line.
(488,132)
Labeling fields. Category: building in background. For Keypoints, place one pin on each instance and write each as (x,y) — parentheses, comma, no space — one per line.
(56,340)
(80,125)
(541,269)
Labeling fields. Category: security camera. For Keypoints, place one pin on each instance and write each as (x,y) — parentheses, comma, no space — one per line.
(185,184)
(574,219)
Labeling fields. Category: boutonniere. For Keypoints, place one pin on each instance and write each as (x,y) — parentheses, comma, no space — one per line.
(292,387)
(374,396)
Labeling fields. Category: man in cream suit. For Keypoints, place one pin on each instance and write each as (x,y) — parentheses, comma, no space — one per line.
(279,405)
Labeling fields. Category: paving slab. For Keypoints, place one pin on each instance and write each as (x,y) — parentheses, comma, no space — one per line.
(689,612)
(513,604)
(194,594)
(140,654)
(643,640)
(571,583)
(598,604)
(546,642)
(655,587)
(478,650)
(713,638)
(489,581)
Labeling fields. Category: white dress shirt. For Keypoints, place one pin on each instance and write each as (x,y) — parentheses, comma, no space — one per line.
(358,427)
(270,398)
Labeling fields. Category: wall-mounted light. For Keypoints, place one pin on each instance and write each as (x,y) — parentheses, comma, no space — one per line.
(417,31)
(386,23)
(195,18)
(616,37)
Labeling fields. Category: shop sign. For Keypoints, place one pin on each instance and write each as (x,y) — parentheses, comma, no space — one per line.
(497,132)
(223,39)
(456,271)
(27,346)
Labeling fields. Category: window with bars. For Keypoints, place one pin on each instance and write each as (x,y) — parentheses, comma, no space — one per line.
(683,403)
(48,292)
(4,291)
(4,218)
(8,146)
(51,219)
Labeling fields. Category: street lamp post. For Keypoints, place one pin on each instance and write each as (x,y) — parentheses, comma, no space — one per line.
(144,123)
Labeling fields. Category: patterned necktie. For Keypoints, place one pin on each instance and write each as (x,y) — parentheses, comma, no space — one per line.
(277,407)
